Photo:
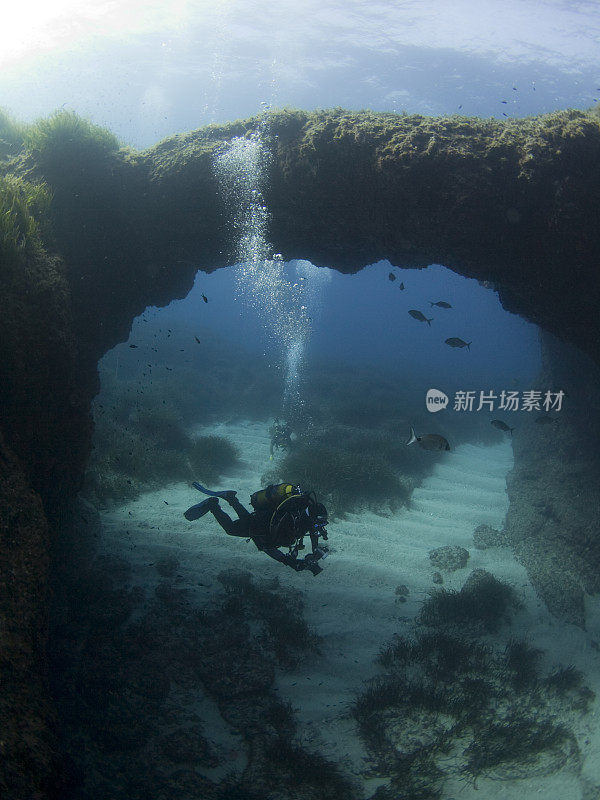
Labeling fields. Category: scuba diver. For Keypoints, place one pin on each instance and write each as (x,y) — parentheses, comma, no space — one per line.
(281,437)
(283,515)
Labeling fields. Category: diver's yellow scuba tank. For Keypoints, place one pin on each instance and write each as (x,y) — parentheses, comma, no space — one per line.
(272,496)
(284,502)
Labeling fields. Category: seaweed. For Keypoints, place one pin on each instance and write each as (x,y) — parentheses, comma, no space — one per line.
(12,135)
(211,456)
(310,773)
(64,139)
(125,461)
(511,747)
(522,662)
(482,603)
(164,426)
(23,220)
(279,612)
(449,703)
(345,480)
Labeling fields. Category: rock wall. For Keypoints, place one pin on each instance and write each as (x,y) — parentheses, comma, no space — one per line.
(29,761)
(45,430)
(554,488)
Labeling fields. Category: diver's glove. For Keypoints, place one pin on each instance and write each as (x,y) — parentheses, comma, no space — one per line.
(310,561)
(229,496)
(300,564)
(313,567)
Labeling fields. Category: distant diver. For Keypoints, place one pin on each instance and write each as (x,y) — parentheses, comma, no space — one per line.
(429,441)
(283,515)
(281,437)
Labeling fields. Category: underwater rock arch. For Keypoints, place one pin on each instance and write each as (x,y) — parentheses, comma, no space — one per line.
(512,202)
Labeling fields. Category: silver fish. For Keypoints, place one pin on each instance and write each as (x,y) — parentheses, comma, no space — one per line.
(420,316)
(429,441)
(502,426)
(454,341)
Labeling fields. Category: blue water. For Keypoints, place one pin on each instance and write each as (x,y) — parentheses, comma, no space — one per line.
(150,70)
(362,320)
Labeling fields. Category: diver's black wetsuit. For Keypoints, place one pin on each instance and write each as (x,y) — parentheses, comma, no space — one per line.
(255,525)
(281,438)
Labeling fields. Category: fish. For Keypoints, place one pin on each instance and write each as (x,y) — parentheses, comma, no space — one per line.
(418,315)
(454,341)
(440,304)
(205,298)
(401,287)
(133,346)
(391,276)
(502,426)
(429,441)
(197,339)
(544,420)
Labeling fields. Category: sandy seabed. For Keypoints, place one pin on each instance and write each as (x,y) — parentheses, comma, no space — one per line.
(353,605)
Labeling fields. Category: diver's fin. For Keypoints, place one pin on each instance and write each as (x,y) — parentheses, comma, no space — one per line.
(413,436)
(225,493)
(199,510)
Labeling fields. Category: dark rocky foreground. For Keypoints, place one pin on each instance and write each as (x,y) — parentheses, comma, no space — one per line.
(512,203)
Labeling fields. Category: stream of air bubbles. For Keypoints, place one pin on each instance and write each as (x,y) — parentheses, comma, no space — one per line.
(285,305)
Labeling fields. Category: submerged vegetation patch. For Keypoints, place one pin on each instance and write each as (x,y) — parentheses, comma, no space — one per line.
(66,141)
(149,451)
(350,441)
(24,210)
(277,609)
(12,135)
(345,480)
(451,704)
(481,606)
(211,456)
(158,689)
(148,408)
